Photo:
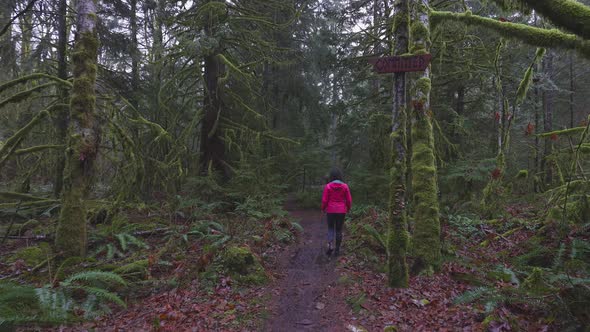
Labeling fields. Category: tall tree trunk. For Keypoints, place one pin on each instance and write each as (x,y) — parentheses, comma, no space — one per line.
(572,89)
(7,48)
(334,121)
(26,28)
(426,239)
(548,122)
(537,167)
(83,141)
(398,234)
(61,118)
(134,50)
(212,146)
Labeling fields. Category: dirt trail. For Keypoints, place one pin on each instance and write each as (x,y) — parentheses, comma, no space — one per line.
(307,272)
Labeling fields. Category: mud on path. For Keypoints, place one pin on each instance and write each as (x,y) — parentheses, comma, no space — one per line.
(305,273)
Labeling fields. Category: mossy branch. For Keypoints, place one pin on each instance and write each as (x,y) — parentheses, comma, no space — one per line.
(16,98)
(529,35)
(7,195)
(31,204)
(569,131)
(12,141)
(524,85)
(567,14)
(38,148)
(25,79)
(161,132)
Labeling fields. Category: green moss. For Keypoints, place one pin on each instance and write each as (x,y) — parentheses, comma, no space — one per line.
(420,37)
(423,86)
(568,14)
(33,255)
(530,35)
(522,174)
(426,240)
(535,283)
(71,236)
(243,266)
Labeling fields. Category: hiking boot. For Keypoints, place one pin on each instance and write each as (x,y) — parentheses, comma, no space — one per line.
(329,251)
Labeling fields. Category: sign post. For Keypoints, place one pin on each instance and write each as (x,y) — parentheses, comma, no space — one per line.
(400,64)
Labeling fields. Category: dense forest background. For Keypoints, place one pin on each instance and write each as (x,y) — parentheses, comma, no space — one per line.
(153,125)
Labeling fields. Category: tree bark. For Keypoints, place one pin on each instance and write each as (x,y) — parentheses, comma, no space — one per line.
(398,275)
(61,116)
(548,122)
(134,50)
(83,140)
(426,238)
(572,89)
(212,147)
(7,48)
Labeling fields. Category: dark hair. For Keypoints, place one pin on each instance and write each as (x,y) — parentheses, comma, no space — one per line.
(336,174)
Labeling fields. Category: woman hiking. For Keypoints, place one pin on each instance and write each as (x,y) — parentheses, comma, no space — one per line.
(336,202)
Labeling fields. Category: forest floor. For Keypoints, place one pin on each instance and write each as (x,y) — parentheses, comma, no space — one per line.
(310,291)
(324,293)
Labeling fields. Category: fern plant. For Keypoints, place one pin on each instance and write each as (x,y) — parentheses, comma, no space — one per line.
(87,292)
(123,242)
(209,231)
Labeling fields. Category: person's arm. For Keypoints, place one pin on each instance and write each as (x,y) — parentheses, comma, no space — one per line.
(348,200)
(325,198)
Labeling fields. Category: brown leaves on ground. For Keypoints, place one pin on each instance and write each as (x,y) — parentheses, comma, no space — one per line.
(425,306)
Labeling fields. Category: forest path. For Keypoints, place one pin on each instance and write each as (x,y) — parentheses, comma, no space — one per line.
(298,302)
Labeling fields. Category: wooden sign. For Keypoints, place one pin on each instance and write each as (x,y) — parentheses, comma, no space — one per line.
(400,64)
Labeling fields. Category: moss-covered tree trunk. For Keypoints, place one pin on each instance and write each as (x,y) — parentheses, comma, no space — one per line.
(83,137)
(212,147)
(398,234)
(426,239)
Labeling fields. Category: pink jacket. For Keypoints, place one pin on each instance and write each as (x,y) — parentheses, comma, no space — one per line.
(336,198)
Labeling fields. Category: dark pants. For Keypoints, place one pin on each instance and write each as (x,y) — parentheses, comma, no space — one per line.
(335,224)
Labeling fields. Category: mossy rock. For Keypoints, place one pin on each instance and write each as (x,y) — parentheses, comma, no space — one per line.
(390,328)
(33,255)
(243,266)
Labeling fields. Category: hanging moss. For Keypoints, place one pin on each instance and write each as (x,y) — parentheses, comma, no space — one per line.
(530,35)
(524,85)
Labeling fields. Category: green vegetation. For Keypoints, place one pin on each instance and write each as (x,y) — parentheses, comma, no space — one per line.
(159,149)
